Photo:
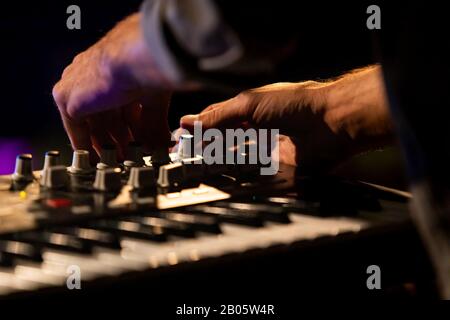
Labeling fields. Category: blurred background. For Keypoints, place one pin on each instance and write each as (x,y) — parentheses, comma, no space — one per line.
(36,46)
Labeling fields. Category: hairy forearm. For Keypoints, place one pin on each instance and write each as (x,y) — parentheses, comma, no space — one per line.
(357,105)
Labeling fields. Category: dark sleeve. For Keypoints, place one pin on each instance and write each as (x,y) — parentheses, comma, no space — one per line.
(218,43)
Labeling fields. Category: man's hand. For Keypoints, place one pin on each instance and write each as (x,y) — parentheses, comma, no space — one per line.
(322,123)
(112,93)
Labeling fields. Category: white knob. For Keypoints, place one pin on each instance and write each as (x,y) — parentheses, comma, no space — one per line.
(141,177)
(186,146)
(171,175)
(108,179)
(51,159)
(80,162)
(54,177)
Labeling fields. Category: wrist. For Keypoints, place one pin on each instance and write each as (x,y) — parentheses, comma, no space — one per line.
(125,52)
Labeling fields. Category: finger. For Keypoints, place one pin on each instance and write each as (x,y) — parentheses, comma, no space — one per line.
(213,106)
(285,151)
(118,130)
(77,130)
(79,134)
(230,113)
(99,132)
(153,123)
(154,130)
(131,114)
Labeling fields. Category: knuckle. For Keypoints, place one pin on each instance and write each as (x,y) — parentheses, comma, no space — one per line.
(210,108)
(310,83)
(59,96)
(66,71)
(248,99)
(57,93)
(245,96)
(247,102)
(207,120)
(78,58)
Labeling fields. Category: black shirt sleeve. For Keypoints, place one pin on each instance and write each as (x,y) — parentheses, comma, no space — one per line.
(221,44)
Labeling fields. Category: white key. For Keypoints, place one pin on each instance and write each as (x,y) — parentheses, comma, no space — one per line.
(11,283)
(35,273)
(90,266)
(236,238)
(114,258)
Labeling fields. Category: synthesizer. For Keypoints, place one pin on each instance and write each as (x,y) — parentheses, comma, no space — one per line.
(152,216)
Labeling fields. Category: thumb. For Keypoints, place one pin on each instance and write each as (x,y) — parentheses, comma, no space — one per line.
(225,114)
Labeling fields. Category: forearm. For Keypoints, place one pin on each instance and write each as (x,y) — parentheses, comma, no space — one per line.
(356,104)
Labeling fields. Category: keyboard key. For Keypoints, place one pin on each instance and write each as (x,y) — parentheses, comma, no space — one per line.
(58,262)
(229,215)
(197,222)
(130,229)
(10,283)
(35,273)
(175,228)
(267,212)
(6,260)
(292,204)
(92,236)
(15,249)
(58,241)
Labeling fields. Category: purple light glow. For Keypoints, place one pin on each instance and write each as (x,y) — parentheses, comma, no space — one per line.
(9,149)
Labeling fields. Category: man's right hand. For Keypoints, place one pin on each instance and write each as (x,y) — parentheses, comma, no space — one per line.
(112,93)
(321,123)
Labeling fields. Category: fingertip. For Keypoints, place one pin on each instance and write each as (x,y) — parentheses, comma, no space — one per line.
(188,120)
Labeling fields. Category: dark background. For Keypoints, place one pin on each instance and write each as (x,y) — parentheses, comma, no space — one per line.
(36,46)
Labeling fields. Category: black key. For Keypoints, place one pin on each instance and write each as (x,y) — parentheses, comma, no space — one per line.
(291,204)
(58,241)
(92,236)
(267,212)
(6,260)
(228,215)
(130,229)
(338,207)
(175,228)
(368,202)
(198,222)
(326,206)
(19,250)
